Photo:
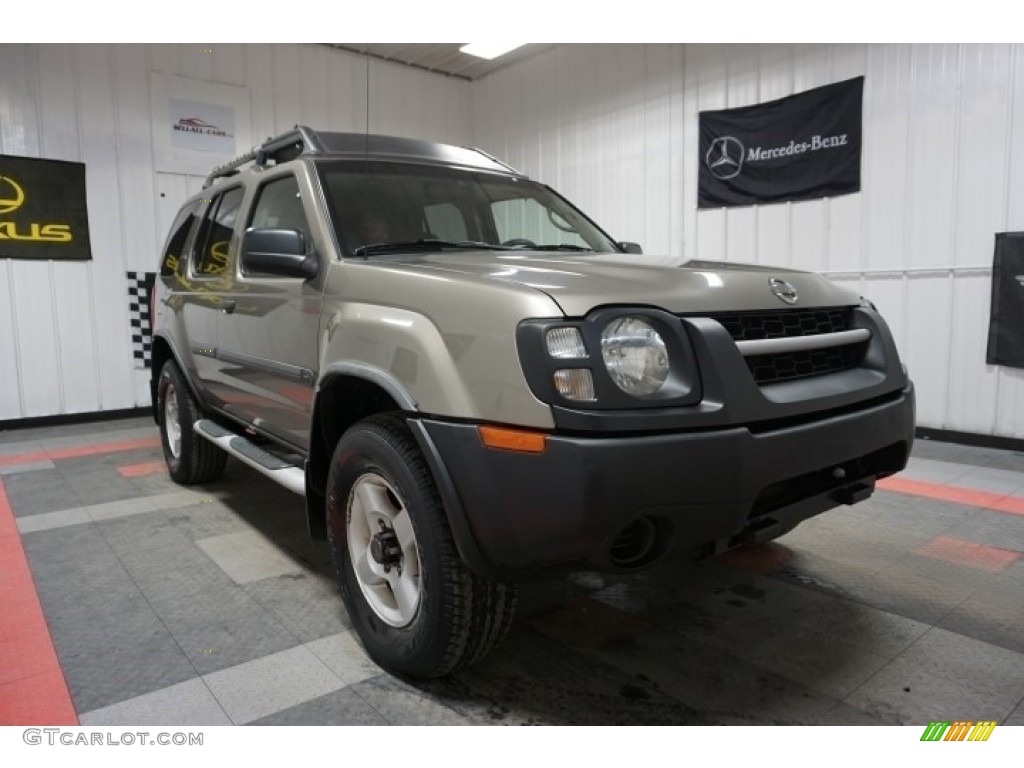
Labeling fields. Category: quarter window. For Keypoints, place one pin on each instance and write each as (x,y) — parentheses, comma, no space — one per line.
(176,242)
(213,245)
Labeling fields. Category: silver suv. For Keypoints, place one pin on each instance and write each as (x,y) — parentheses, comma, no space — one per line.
(472,385)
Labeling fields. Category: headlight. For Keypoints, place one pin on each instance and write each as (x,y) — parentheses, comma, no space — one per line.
(635,355)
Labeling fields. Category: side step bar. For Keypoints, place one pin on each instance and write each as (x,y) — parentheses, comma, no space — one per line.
(277,469)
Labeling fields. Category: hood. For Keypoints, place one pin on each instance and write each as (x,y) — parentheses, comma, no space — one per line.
(582,282)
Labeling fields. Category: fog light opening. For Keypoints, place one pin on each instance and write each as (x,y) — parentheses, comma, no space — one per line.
(635,545)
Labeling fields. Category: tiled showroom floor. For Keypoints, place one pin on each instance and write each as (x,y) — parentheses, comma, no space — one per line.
(209,605)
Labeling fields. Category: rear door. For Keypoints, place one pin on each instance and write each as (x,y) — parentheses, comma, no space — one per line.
(203,282)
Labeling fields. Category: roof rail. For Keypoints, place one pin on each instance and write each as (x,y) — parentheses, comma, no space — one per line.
(502,163)
(301,140)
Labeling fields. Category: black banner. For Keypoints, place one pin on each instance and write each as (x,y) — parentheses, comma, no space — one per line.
(802,147)
(1006,323)
(43,210)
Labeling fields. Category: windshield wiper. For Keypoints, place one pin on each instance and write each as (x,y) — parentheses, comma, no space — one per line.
(425,244)
(564,247)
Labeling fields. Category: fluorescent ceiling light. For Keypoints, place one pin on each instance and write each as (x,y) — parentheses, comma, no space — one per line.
(489,50)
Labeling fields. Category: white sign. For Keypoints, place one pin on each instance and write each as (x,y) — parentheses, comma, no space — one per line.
(197,124)
(202,127)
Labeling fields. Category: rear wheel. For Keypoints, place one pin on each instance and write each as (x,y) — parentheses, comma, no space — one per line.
(190,459)
(416,607)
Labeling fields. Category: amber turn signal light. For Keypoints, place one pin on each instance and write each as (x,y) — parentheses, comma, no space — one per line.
(513,439)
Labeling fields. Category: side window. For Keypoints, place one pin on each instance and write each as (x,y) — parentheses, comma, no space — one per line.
(210,255)
(176,242)
(279,206)
(445,221)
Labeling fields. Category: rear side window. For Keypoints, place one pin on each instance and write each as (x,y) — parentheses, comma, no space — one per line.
(176,242)
(210,255)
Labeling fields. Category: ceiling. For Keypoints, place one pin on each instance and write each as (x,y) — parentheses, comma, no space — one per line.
(445,58)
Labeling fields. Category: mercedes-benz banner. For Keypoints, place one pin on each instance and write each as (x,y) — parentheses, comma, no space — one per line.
(1006,325)
(802,147)
(43,209)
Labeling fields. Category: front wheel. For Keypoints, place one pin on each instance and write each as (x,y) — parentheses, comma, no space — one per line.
(416,607)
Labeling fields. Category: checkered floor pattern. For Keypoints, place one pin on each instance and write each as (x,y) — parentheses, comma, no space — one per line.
(209,605)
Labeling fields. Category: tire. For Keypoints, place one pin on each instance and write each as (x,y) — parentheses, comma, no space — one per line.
(190,458)
(416,607)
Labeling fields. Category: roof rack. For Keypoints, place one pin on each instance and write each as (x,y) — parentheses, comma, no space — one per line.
(492,158)
(301,140)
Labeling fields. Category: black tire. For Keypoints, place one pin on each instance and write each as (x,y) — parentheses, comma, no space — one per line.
(459,617)
(198,460)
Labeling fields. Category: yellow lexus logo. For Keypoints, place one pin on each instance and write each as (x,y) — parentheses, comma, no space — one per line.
(11,195)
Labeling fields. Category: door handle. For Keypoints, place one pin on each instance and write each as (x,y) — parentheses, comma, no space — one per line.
(228,306)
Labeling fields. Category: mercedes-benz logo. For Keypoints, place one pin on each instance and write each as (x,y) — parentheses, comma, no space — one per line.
(725,157)
(785,291)
(11,195)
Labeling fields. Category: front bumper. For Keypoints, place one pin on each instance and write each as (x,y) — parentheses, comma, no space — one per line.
(578,504)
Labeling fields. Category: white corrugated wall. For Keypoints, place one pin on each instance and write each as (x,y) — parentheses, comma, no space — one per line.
(614,127)
(65,343)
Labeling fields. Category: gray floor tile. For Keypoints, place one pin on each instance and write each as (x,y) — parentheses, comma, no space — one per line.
(113,647)
(308,605)
(967,454)
(271,684)
(1017,716)
(50,520)
(828,645)
(38,492)
(998,481)
(23,468)
(345,657)
(933,470)
(141,532)
(187,703)
(843,714)
(909,585)
(248,556)
(344,707)
(994,529)
(944,675)
(220,639)
(402,704)
(13,442)
(100,488)
(994,613)
(533,681)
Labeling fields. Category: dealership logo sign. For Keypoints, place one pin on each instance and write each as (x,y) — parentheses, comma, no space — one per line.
(12,197)
(727,155)
(200,126)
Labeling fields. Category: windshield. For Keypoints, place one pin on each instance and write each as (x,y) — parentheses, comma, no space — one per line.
(393,207)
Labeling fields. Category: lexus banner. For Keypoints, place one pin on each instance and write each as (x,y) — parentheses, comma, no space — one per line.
(42,210)
(802,147)
(1006,326)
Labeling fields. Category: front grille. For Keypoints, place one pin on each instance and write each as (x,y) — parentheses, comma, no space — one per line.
(748,326)
(789,366)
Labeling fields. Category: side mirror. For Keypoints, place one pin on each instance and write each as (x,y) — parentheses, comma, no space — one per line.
(280,252)
(630,247)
